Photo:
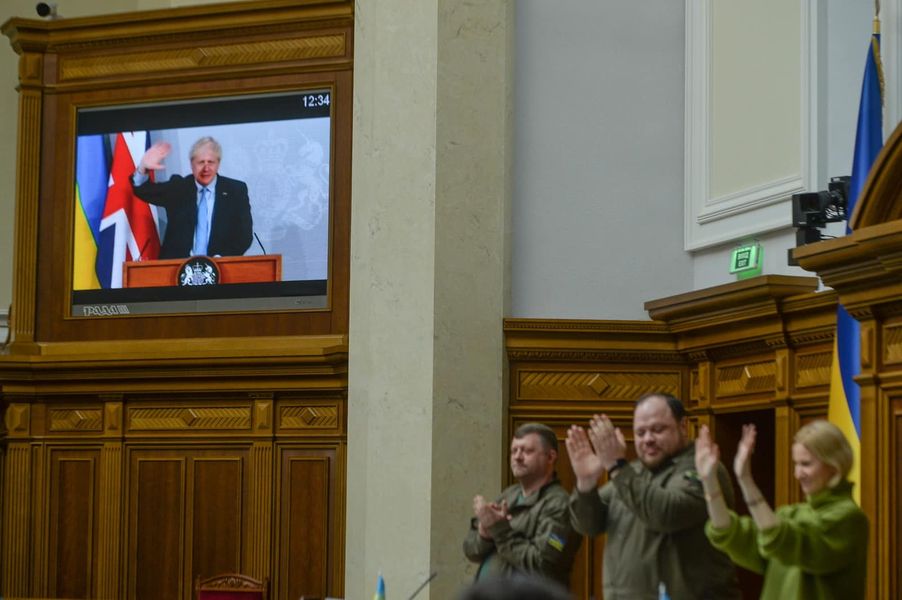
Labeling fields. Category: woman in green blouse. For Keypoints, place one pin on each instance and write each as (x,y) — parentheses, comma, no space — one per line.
(813,550)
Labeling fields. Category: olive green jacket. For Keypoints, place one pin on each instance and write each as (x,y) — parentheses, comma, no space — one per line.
(537,539)
(655,526)
(817,551)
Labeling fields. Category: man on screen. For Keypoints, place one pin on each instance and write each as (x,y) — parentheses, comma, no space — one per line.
(208,214)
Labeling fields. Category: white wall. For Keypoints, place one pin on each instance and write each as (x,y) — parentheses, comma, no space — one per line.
(599,122)
(598,158)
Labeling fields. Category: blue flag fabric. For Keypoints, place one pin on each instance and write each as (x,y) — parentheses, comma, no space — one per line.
(845,398)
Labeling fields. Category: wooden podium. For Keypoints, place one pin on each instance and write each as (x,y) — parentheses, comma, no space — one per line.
(232,269)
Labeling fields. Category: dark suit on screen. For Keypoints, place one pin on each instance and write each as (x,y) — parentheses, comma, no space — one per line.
(231,231)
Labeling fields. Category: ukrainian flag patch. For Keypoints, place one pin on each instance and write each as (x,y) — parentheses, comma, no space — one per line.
(556,542)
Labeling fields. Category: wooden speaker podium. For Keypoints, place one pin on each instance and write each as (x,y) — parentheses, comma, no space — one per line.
(232,269)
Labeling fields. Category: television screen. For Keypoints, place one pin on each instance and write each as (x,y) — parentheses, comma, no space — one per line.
(200,206)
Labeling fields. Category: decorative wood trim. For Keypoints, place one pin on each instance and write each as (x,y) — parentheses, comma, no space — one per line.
(258,550)
(25,248)
(189,418)
(76,419)
(309,417)
(592,385)
(17,419)
(748,378)
(263,415)
(109,526)
(40,513)
(171,61)
(813,369)
(17,534)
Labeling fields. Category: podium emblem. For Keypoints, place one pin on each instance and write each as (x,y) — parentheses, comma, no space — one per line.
(198,270)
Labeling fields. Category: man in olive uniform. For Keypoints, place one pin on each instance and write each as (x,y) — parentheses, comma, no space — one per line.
(527,529)
(652,509)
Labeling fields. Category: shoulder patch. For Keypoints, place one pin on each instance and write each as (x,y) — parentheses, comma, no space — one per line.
(556,542)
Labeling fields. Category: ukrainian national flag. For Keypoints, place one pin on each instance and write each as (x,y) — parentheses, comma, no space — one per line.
(92,172)
(845,398)
(380,588)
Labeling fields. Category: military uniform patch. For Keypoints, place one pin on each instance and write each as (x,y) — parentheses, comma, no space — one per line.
(556,542)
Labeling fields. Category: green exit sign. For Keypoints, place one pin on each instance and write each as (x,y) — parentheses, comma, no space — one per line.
(746,260)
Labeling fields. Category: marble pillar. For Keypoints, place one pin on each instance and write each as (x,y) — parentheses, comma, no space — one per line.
(429,286)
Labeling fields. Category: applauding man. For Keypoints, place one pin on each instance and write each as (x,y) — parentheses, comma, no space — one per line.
(652,509)
(527,529)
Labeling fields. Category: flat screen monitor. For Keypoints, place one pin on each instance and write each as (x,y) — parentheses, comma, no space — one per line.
(133,250)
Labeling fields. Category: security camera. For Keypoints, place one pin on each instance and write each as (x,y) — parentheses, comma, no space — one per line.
(46,10)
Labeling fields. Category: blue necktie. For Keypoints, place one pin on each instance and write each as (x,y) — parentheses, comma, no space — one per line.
(202,231)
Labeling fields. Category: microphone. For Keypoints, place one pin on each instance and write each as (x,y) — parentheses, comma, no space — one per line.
(422,585)
(257,237)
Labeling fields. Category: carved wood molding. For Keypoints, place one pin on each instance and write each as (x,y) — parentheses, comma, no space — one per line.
(76,419)
(892,344)
(309,417)
(622,356)
(813,369)
(183,59)
(189,418)
(175,25)
(592,385)
(17,502)
(746,378)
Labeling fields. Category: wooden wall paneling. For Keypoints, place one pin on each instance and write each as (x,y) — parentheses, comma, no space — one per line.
(157,522)
(574,383)
(218,515)
(109,527)
(258,549)
(338,507)
(812,368)
(29,135)
(891,497)
(786,423)
(306,483)
(702,385)
(73,516)
(747,381)
(17,521)
(39,514)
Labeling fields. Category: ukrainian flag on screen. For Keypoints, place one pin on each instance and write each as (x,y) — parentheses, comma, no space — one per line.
(92,175)
(845,396)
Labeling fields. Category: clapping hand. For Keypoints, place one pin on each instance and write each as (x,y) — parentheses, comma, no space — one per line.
(587,466)
(610,445)
(742,464)
(707,455)
(489,513)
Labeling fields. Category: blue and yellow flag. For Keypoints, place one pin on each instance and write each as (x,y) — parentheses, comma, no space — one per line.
(92,174)
(380,588)
(845,398)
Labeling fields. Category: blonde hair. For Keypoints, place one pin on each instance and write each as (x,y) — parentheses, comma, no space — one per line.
(826,442)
